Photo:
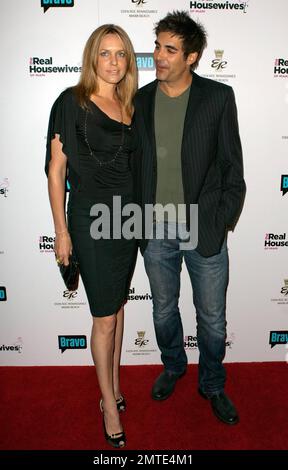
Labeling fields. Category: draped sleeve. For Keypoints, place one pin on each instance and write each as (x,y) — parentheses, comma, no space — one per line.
(62,121)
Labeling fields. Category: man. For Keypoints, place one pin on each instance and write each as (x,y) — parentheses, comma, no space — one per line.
(191,154)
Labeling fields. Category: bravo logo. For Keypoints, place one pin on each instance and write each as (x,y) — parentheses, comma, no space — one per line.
(72,342)
(284,184)
(3,294)
(278,337)
(46,4)
(145,61)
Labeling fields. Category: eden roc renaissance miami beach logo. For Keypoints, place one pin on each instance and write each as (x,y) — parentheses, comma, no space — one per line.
(138,8)
(219,68)
(218,63)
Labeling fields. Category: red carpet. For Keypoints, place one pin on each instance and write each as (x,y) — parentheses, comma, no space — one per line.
(57,408)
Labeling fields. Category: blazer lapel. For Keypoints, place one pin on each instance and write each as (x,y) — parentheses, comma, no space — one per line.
(148,115)
(195,99)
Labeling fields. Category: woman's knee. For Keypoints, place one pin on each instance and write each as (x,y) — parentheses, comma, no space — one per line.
(105,325)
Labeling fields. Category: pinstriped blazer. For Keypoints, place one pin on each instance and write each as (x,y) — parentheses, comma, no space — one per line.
(211,159)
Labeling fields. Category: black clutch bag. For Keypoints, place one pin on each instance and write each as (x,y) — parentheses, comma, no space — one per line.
(70,273)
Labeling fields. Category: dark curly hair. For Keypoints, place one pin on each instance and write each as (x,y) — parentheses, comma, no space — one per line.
(192,33)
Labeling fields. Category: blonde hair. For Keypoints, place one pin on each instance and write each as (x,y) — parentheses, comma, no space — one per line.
(87,84)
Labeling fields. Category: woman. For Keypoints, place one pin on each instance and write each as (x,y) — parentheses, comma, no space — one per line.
(90,140)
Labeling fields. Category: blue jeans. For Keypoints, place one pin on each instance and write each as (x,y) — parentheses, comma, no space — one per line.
(209,279)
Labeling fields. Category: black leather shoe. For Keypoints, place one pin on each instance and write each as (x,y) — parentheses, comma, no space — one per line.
(222,407)
(164,385)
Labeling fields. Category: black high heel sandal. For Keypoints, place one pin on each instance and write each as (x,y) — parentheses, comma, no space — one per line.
(121,403)
(118,439)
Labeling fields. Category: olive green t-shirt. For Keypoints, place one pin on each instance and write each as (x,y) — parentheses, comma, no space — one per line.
(169,123)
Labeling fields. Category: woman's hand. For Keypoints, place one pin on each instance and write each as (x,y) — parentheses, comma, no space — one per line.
(63,248)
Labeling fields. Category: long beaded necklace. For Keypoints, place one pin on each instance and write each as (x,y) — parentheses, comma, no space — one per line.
(119,150)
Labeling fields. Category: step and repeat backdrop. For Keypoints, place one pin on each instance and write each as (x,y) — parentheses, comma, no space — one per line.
(42,43)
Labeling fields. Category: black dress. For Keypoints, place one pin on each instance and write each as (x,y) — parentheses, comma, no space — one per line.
(99,153)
